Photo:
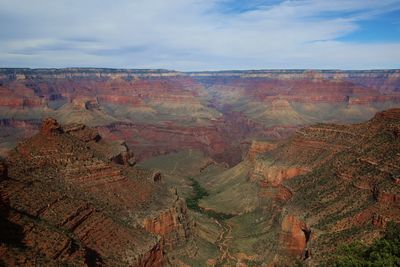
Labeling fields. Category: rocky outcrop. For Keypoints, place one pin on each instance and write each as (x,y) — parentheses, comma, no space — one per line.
(378,221)
(173,225)
(71,205)
(273,175)
(211,111)
(50,126)
(257,148)
(207,139)
(392,199)
(350,185)
(116,151)
(329,184)
(86,103)
(123,155)
(295,235)
(3,169)
(82,132)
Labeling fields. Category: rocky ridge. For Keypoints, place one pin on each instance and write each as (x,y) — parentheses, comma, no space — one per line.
(65,202)
(327,185)
(230,106)
(348,184)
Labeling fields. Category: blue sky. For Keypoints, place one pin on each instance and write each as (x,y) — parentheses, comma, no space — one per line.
(200,34)
(383,28)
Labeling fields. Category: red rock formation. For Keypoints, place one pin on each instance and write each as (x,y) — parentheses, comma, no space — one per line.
(350,185)
(172,225)
(274,175)
(389,198)
(105,91)
(134,87)
(257,148)
(79,208)
(16,95)
(85,103)
(294,236)
(301,87)
(378,221)
(50,126)
(153,138)
(82,132)
(284,194)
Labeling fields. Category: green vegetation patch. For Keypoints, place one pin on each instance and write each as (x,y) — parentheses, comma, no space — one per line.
(193,202)
(383,252)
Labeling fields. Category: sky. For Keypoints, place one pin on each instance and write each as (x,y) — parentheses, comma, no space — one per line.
(193,35)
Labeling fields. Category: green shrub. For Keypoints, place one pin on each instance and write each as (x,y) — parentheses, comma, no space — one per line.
(193,202)
(383,252)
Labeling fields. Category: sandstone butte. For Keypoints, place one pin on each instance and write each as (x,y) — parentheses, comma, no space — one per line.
(64,201)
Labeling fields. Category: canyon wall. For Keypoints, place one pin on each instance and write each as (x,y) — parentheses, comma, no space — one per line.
(336,182)
(64,200)
(215,112)
(70,193)
(325,186)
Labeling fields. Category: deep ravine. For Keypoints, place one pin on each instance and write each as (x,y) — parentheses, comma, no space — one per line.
(225,257)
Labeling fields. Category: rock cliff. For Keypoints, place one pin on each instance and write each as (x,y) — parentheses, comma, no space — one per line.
(349,189)
(67,202)
(224,108)
(327,185)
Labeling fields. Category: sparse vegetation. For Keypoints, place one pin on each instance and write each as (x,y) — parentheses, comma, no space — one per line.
(199,192)
(193,202)
(383,252)
(251,263)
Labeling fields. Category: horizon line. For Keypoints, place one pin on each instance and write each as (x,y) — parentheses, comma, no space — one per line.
(190,71)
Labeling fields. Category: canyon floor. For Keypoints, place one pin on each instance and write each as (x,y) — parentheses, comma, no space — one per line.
(164,168)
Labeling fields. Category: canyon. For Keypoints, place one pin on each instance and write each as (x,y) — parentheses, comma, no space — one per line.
(65,202)
(219,113)
(325,186)
(99,167)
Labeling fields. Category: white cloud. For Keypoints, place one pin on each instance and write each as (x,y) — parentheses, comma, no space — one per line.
(190,34)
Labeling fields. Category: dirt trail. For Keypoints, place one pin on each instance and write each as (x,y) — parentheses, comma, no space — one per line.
(225,257)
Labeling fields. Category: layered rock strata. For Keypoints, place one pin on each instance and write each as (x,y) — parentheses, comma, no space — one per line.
(65,202)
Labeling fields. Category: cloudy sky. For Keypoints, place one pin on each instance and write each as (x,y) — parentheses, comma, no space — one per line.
(200,34)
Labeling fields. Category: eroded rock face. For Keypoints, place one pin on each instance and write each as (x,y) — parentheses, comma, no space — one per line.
(295,236)
(378,221)
(196,110)
(351,185)
(3,169)
(207,139)
(173,225)
(124,155)
(82,132)
(257,148)
(68,212)
(342,179)
(389,198)
(274,175)
(86,103)
(50,126)
(116,151)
